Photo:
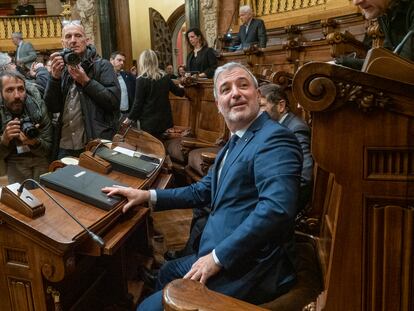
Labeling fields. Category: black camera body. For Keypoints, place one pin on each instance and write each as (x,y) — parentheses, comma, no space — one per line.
(28,128)
(69,57)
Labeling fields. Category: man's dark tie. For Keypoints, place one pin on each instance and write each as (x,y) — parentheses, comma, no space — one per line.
(233,140)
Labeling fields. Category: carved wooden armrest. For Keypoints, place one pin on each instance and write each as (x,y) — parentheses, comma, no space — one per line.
(193,144)
(178,131)
(208,159)
(186,295)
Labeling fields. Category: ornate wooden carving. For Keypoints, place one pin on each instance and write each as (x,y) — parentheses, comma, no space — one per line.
(160,38)
(375,32)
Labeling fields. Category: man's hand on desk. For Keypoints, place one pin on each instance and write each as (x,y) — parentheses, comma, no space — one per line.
(134,196)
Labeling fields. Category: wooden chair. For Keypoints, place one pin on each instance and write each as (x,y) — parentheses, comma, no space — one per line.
(364,149)
(205,122)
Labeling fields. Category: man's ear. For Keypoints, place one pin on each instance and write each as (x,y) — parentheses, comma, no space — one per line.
(63,43)
(282,106)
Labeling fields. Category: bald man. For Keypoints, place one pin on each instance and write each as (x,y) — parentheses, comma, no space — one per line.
(87,95)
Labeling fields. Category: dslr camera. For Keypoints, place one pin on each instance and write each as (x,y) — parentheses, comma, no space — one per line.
(69,57)
(28,128)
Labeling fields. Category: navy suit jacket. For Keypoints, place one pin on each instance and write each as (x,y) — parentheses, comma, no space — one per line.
(253,208)
(302,133)
(256,33)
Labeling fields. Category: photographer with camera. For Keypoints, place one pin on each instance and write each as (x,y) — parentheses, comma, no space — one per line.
(26,132)
(84,89)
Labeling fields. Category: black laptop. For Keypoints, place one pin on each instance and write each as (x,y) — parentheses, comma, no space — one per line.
(142,166)
(82,184)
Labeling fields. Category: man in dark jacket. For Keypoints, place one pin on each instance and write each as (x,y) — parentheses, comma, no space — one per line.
(86,95)
(252,30)
(126,81)
(396,19)
(274,101)
(25,129)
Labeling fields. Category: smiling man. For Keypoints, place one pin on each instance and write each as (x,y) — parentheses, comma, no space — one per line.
(246,247)
(86,95)
(396,19)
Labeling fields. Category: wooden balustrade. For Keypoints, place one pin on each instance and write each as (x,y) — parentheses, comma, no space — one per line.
(44,32)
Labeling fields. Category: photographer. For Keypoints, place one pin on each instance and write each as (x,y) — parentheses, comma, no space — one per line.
(84,89)
(26,132)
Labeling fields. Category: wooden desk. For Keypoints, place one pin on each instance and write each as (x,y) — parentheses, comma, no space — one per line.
(53,253)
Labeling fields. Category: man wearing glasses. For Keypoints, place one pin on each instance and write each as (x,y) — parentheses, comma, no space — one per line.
(86,94)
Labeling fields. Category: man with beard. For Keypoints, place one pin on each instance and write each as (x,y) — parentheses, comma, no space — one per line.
(246,247)
(26,132)
(87,95)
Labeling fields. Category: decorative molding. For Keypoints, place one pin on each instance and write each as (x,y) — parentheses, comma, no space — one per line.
(86,9)
(381,164)
(160,38)
(209,15)
(388,233)
(16,257)
(21,294)
(366,99)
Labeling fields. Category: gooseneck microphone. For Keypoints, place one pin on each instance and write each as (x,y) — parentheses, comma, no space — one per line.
(94,236)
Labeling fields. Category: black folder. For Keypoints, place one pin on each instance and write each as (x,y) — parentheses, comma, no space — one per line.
(82,184)
(141,167)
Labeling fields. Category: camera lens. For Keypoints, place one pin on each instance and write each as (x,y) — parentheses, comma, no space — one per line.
(28,128)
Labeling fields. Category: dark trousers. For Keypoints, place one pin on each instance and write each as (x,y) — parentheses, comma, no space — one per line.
(170,271)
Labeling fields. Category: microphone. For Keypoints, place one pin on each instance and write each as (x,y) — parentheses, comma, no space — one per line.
(399,47)
(94,236)
(227,35)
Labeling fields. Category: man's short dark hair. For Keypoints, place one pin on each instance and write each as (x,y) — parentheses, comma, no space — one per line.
(11,74)
(274,93)
(115,53)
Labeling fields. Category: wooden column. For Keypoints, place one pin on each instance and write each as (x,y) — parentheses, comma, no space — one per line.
(108,37)
(121,24)
(192,13)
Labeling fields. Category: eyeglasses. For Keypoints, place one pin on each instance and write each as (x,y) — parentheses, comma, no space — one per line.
(67,22)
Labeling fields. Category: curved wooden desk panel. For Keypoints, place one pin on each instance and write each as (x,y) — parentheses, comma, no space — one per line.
(54,251)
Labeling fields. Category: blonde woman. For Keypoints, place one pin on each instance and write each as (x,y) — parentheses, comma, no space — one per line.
(151,105)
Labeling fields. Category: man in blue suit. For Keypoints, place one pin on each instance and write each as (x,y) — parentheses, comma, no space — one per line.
(246,247)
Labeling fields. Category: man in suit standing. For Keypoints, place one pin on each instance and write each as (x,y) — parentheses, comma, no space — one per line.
(246,247)
(25,53)
(126,81)
(275,102)
(251,31)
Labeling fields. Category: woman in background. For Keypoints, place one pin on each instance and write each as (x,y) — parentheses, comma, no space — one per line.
(201,58)
(181,71)
(151,105)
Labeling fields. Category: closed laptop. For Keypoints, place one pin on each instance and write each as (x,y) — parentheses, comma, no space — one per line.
(141,167)
(82,184)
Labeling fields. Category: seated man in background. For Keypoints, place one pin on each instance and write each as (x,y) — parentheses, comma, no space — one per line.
(246,247)
(26,131)
(275,102)
(252,31)
(24,9)
(396,20)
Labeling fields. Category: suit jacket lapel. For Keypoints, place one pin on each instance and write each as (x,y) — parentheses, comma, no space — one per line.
(242,143)
(219,158)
